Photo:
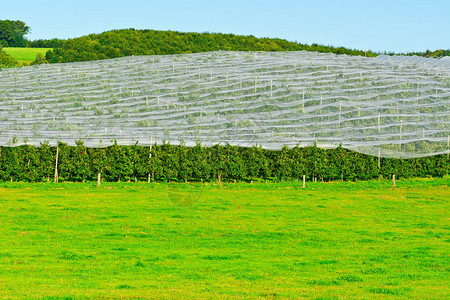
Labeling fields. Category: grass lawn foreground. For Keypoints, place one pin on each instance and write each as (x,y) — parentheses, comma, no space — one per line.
(364,240)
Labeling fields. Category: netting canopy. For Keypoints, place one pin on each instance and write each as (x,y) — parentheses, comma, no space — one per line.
(386,106)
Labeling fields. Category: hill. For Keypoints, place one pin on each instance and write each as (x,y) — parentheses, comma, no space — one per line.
(126,42)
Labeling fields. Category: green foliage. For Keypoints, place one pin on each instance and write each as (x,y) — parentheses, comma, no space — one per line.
(126,42)
(12,33)
(53,43)
(178,163)
(434,54)
(6,61)
(40,59)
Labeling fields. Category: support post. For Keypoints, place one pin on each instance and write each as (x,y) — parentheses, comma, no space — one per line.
(150,156)
(303,101)
(56,164)
(271,93)
(98,179)
(340,110)
(379,160)
(393,180)
(304,181)
(379,121)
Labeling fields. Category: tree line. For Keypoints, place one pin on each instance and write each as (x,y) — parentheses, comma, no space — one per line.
(165,162)
(126,42)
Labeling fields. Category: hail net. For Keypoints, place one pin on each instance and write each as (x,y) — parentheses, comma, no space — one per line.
(386,106)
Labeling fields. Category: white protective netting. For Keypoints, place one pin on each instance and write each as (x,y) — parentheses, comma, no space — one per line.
(385,106)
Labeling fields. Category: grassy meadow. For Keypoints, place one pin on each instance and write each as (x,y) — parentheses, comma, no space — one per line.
(364,240)
(25,55)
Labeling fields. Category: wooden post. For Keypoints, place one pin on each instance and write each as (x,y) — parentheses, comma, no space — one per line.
(56,164)
(321,100)
(271,93)
(150,155)
(379,160)
(98,179)
(448,150)
(379,121)
(304,181)
(303,101)
(393,180)
(220,179)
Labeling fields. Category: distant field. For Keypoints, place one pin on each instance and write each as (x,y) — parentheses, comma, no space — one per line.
(363,240)
(25,54)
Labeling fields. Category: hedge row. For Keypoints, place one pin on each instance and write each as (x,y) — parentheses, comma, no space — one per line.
(179,163)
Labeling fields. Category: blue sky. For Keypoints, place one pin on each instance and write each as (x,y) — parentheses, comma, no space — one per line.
(395,25)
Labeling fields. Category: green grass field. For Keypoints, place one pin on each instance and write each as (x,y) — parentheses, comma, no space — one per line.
(25,54)
(363,240)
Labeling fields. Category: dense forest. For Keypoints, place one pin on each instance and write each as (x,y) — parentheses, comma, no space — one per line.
(119,43)
(126,42)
